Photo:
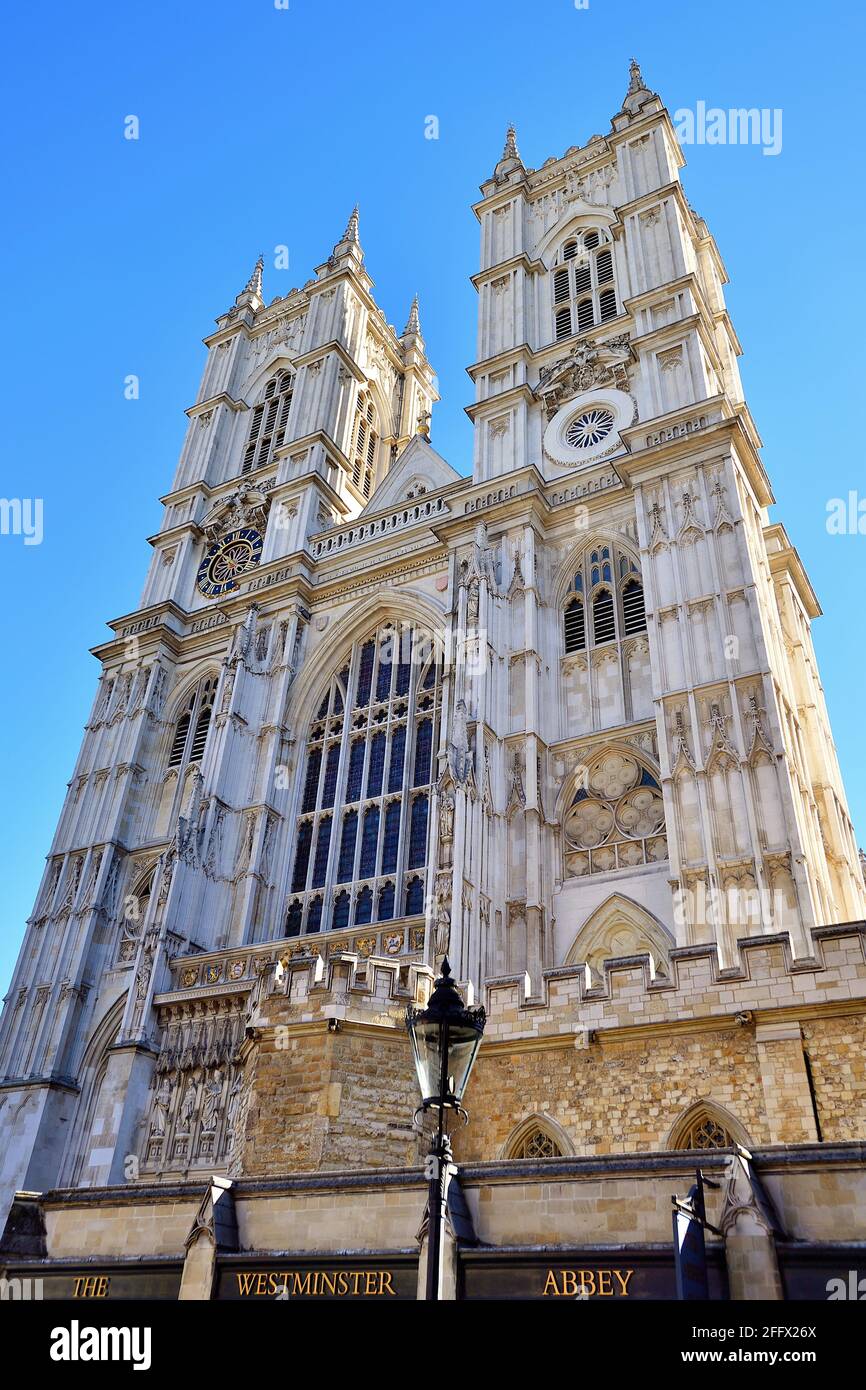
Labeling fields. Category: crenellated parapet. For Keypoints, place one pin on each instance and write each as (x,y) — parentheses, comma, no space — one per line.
(696,989)
(767,1050)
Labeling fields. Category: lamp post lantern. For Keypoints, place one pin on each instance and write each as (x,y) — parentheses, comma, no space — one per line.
(445,1040)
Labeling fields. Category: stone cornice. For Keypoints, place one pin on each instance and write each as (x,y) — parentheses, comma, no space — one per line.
(223,398)
(520,261)
(647,461)
(785,561)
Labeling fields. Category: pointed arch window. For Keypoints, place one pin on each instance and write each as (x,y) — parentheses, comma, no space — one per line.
(362,828)
(575,626)
(605,602)
(365,444)
(704,1126)
(584,287)
(269,421)
(191,730)
(537,1137)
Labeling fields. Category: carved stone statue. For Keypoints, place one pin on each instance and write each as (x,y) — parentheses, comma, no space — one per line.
(459,757)
(234,1099)
(485,565)
(442,931)
(473,603)
(212,1101)
(188,1106)
(446,817)
(161,1102)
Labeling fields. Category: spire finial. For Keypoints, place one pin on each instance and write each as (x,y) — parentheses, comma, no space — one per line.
(351,232)
(511,151)
(413,323)
(637,89)
(510,158)
(254,284)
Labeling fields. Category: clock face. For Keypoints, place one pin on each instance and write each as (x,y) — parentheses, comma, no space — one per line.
(227,559)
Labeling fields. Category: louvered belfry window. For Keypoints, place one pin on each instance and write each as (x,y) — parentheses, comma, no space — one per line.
(269,421)
(191,729)
(584,290)
(365,441)
(362,829)
(605,602)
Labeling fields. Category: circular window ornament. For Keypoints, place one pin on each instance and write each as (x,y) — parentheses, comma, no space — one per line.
(590,428)
(587,428)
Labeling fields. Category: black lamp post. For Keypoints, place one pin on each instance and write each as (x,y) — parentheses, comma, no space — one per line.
(445,1041)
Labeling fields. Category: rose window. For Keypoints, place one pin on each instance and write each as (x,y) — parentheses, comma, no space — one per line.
(589,428)
(616,819)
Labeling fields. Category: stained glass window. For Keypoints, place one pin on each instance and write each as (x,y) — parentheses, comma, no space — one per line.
(418,832)
(386,903)
(356,770)
(346,865)
(376,769)
(323,844)
(391,684)
(395,770)
(423,751)
(391,843)
(414,897)
(369,842)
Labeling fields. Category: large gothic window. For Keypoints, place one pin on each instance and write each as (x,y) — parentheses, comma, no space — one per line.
(361,843)
(584,292)
(191,729)
(605,603)
(269,420)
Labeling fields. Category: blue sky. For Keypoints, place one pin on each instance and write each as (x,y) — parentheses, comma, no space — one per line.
(262,126)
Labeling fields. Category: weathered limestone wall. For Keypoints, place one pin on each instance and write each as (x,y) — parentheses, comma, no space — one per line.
(328,1077)
(117,1226)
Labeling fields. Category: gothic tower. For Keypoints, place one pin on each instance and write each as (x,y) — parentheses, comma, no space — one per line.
(563,710)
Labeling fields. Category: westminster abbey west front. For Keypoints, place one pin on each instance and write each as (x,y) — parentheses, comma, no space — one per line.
(560,719)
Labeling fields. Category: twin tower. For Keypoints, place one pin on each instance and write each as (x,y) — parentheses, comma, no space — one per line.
(555,709)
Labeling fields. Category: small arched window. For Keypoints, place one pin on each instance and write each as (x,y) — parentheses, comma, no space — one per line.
(575,626)
(365,442)
(537,1137)
(705,1126)
(584,289)
(606,589)
(191,729)
(269,421)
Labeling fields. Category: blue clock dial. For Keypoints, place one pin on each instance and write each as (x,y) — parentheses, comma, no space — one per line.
(226,560)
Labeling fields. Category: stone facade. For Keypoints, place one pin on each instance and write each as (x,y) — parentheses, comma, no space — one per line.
(560,719)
